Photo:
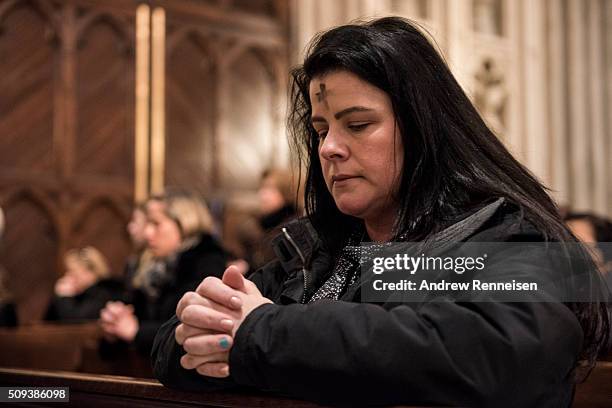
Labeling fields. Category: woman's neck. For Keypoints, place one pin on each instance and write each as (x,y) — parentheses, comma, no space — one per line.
(380,229)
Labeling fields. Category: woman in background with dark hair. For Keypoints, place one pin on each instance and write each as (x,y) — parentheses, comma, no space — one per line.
(394,151)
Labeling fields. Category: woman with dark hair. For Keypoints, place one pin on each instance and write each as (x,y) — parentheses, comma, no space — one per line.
(394,151)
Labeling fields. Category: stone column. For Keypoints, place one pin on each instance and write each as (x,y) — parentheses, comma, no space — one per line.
(557,98)
(601,178)
(578,100)
(535,117)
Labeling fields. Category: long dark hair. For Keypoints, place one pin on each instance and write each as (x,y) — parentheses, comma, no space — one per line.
(452,161)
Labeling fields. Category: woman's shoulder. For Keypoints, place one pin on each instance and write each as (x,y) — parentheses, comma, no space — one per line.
(497,220)
(507,223)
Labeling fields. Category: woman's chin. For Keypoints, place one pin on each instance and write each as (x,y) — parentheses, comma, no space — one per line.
(351,208)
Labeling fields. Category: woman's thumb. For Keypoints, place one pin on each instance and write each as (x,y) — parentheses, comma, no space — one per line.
(234,279)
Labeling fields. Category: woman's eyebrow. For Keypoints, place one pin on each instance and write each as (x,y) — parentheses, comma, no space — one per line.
(342,113)
(352,109)
(318,119)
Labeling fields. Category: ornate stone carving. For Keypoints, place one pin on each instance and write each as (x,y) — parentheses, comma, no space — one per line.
(491,93)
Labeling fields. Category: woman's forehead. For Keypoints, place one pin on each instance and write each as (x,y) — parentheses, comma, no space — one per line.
(345,88)
(155,208)
(321,85)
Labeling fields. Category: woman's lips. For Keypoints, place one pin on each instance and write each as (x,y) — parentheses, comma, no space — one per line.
(341,178)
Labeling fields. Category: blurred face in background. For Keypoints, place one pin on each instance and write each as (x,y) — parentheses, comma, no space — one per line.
(583,230)
(270,197)
(78,274)
(136,228)
(162,233)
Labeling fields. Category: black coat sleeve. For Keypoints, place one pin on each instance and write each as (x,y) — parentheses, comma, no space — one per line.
(166,352)
(85,307)
(444,352)
(447,353)
(166,355)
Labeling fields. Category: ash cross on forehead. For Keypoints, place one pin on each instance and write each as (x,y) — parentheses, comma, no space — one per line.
(322,94)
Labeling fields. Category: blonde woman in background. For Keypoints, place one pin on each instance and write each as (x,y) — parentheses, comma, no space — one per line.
(85,287)
(141,259)
(179,238)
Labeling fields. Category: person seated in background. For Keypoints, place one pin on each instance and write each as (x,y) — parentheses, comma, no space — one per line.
(136,229)
(8,312)
(85,287)
(394,151)
(277,205)
(595,231)
(179,237)
(141,258)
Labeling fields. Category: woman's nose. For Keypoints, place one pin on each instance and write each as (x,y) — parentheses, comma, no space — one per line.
(333,147)
(148,232)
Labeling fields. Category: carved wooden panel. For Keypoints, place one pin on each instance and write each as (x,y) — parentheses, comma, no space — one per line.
(248,146)
(29,252)
(67,105)
(190,104)
(101,224)
(26,87)
(105,99)
(221,84)
(66,137)
(265,7)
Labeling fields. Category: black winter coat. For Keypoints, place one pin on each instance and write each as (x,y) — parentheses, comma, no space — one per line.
(206,258)
(439,353)
(84,306)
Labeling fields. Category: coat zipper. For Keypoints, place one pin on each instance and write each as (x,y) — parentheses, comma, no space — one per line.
(301,255)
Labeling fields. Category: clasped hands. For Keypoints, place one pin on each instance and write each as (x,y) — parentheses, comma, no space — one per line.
(118,321)
(210,318)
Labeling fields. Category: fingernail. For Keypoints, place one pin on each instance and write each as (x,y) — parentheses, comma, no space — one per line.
(225,370)
(224,343)
(235,301)
(227,324)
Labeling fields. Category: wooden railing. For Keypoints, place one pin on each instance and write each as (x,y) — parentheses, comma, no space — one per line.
(95,390)
(104,391)
(68,347)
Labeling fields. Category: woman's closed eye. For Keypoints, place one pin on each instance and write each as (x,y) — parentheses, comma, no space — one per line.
(358,126)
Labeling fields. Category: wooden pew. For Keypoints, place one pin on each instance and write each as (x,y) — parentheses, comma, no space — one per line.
(67,347)
(105,391)
(50,346)
(94,390)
